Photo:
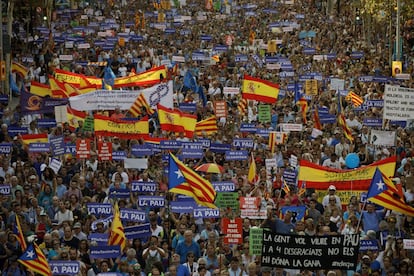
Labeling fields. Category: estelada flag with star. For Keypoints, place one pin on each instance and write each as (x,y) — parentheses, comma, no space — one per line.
(34,259)
(185,181)
(383,192)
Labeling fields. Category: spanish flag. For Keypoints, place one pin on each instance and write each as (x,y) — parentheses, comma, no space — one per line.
(74,116)
(259,90)
(147,78)
(252,176)
(40,89)
(303,104)
(316,121)
(176,121)
(34,138)
(207,126)
(19,69)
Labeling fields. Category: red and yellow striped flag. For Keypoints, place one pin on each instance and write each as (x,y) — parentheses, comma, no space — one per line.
(140,103)
(40,89)
(17,231)
(355,99)
(242,106)
(117,234)
(207,126)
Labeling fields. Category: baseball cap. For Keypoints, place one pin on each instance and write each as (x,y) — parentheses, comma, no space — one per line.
(77,225)
(366,257)
(332,188)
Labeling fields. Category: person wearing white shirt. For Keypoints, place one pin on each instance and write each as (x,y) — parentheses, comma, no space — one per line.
(353,122)
(332,162)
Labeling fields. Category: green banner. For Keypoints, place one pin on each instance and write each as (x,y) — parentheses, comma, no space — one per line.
(88,124)
(255,241)
(228,200)
(264,114)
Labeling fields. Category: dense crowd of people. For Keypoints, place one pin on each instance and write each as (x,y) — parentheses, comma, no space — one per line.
(55,213)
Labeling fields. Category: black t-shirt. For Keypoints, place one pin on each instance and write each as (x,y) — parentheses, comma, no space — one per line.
(74,242)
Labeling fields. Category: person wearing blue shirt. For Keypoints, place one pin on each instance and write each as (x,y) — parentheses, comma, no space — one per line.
(187,245)
(371,218)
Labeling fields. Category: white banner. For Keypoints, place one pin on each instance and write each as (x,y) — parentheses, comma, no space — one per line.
(382,138)
(110,99)
(291,127)
(398,103)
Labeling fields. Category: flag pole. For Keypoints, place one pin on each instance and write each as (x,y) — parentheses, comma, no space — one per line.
(360,217)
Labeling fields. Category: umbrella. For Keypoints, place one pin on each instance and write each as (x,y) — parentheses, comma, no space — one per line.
(210,168)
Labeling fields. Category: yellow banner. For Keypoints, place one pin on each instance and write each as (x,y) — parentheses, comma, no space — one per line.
(72,78)
(149,77)
(125,129)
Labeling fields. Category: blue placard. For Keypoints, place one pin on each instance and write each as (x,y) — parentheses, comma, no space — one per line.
(185,32)
(193,145)
(143,187)
(243,143)
(298,212)
(365,78)
(6,148)
(103,252)
(46,123)
(236,155)
(286,74)
(57,144)
(241,58)
(203,212)
(151,201)
(250,128)
(5,189)
(4,99)
(327,119)
(188,107)
(398,123)
(138,231)
(99,238)
(39,147)
(224,186)
(372,122)
(258,60)
(263,132)
(220,48)
(191,153)
(289,176)
(141,150)
(119,155)
(206,37)
(170,145)
(134,215)
(331,56)
(99,209)
(206,142)
(381,79)
(309,51)
(70,149)
(357,55)
(13,131)
(169,31)
(64,267)
(119,193)
(182,206)
(365,245)
(270,59)
(219,148)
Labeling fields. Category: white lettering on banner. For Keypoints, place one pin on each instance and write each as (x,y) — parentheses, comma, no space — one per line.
(398,103)
(231,90)
(408,244)
(292,127)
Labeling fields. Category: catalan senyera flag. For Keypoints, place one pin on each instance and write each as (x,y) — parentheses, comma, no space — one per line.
(259,90)
(125,129)
(140,103)
(319,177)
(355,99)
(19,69)
(272,141)
(252,176)
(302,189)
(34,259)
(347,131)
(207,126)
(342,121)
(242,106)
(383,192)
(34,138)
(316,121)
(40,89)
(117,234)
(17,231)
(303,104)
(74,116)
(183,180)
(285,187)
(147,78)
